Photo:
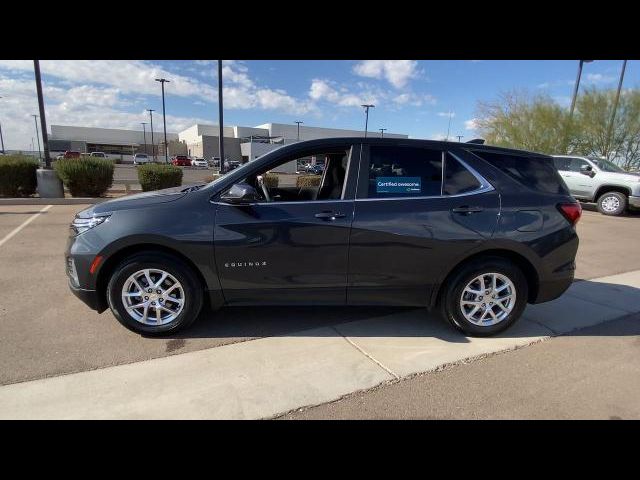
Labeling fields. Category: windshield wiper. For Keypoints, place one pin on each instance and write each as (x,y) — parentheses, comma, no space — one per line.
(193,188)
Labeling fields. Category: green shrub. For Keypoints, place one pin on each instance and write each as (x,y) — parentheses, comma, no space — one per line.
(271,180)
(85,177)
(156,177)
(17,175)
(308,181)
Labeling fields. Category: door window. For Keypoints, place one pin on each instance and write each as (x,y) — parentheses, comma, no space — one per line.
(404,172)
(457,179)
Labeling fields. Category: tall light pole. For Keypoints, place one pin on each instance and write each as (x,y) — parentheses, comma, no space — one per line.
(164,120)
(576,87)
(144,135)
(43,119)
(615,106)
(220,117)
(153,147)
(35,121)
(366,121)
(382,130)
(1,138)
(298,122)
(449,126)
(460,137)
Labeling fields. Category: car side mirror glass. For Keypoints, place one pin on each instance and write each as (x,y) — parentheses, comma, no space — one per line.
(241,194)
(587,170)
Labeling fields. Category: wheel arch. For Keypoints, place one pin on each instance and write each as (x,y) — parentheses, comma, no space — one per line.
(525,265)
(104,274)
(611,188)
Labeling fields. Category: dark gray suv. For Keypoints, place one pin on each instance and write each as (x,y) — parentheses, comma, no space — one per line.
(474,231)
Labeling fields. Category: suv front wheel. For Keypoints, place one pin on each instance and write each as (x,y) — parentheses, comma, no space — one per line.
(485,296)
(154,293)
(612,203)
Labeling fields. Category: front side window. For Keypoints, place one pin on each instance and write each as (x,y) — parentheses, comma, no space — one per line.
(398,172)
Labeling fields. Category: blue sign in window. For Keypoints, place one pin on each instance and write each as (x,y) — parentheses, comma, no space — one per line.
(398,184)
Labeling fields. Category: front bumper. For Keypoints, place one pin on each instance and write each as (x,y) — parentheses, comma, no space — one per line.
(634,202)
(89,297)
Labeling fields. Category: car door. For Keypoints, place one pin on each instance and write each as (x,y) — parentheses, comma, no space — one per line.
(580,185)
(409,226)
(287,252)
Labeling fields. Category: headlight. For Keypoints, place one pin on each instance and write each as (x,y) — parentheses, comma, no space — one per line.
(81,225)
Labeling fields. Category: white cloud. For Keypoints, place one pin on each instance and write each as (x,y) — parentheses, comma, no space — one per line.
(396,72)
(447,114)
(599,78)
(325,90)
(471,124)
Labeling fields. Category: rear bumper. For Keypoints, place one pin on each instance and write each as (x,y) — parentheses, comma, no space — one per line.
(634,202)
(551,289)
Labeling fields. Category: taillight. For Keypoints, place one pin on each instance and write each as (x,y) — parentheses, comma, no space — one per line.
(571,211)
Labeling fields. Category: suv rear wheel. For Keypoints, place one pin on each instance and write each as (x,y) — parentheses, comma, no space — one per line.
(154,294)
(485,296)
(612,203)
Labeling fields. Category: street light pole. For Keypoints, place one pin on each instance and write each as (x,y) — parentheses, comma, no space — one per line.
(1,138)
(153,146)
(298,123)
(382,130)
(576,87)
(144,135)
(615,107)
(164,120)
(460,137)
(366,121)
(449,126)
(43,119)
(35,121)
(220,117)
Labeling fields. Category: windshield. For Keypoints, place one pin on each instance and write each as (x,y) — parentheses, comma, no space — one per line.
(141,156)
(606,165)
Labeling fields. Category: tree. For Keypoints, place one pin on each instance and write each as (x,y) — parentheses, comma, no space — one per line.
(518,120)
(538,123)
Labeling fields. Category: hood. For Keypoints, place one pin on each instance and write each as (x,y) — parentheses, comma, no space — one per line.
(626,176)
(137,201)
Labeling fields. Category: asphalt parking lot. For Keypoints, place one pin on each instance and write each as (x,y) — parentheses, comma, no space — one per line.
(45,331)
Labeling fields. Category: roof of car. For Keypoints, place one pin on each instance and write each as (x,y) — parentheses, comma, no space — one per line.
(409,142)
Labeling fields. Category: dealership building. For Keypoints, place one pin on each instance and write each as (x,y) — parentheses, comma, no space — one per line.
(240,143)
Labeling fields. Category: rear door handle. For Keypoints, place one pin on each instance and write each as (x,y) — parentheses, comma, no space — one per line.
(329,215)
(464,210)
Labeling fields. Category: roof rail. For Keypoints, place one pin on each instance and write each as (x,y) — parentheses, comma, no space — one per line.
(478,141)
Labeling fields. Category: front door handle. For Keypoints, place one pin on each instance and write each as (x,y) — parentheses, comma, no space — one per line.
(464,210)
(329,215)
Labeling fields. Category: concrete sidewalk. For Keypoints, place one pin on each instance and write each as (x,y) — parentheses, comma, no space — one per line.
(269,376)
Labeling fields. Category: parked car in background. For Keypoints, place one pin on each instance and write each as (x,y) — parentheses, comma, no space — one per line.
(474,232)
(316,169)
(71,154)
(230,165)
(181,161)
(600,181)
(199,162)
(141,158)
(214,162)
(99,154)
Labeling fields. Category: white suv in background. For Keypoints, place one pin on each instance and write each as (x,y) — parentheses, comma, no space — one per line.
(199,162)
(600,181)
(140,158)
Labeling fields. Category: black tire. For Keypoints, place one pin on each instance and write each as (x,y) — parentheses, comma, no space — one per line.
(621,198)
(193,291)
(453,289)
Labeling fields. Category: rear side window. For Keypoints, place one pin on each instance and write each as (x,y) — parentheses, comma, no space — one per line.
(457,179)
(537,173)
(404,172)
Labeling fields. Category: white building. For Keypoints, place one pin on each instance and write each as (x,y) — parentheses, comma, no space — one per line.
(240,143)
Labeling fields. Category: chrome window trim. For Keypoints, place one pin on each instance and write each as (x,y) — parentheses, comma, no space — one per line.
(217,202)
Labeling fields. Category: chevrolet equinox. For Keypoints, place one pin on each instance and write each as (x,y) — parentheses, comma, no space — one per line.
(474,231)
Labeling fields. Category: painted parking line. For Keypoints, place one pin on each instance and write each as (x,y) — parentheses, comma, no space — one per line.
(13,232)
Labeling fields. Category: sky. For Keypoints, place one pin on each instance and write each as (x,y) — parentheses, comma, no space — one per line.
(413,97)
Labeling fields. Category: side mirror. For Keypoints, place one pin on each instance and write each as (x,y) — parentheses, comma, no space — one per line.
(587,170)
(241,194)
